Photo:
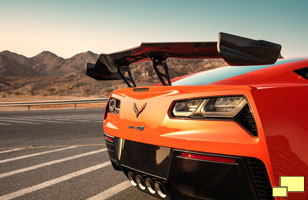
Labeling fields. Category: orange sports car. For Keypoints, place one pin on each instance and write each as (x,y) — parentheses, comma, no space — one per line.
(225,133)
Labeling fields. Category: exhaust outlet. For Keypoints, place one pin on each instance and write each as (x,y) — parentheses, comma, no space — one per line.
(140,182)
(160,189)
(132,178)
(150,185)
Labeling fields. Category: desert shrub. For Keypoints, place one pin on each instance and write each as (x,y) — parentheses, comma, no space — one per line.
(61,91)
(51,90)
(107,90)
(69,86)
(17,93)
(16,85)
(84,90)
(3,88)
(31,91)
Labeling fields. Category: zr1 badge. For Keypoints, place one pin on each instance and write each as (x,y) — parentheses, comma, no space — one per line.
(138,128)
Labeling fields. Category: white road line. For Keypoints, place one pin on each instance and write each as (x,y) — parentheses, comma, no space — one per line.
(111,191)
(84,120)
(15,121)
(66,118)
(53,181)
(50,163)
(36,154)
(74,118)
(36,119)
(10,150)
(5,124)
(55,120)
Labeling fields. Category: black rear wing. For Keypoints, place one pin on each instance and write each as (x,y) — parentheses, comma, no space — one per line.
(235,50)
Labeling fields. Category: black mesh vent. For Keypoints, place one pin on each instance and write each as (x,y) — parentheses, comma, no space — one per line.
(245,119)
(260,178)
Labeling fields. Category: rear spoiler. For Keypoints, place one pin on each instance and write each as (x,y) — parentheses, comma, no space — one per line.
(235,50)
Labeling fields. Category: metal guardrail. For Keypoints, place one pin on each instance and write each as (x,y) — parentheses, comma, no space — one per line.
(55,102)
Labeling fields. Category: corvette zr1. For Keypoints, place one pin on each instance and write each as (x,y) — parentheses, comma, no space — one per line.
(225,133)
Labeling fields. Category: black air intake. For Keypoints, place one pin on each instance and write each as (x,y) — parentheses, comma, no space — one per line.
(260,178)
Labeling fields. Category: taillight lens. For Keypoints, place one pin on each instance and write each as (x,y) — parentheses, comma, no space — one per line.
(108,138)
(227,107)
(186,108)
(114,106)
(224,107)
(208,158)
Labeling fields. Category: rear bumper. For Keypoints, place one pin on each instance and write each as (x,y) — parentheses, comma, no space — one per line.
(191,178)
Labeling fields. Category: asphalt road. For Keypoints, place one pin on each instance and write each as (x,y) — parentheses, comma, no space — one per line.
(59,154)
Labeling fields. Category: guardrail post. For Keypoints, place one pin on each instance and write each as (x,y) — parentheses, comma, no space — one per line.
(28,107)
(75,105)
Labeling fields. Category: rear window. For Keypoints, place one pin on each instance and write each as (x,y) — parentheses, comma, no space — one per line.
(214,75)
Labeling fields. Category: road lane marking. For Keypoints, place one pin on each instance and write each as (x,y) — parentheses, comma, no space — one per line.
(66,117)
(15,121)
(50,163)
(5,124)
(37,119)
(84,120)
(50,119)
(53,181)
(56,120)
(36,154)
(111,191)
(10,150)
(75,119)
(61,118)
(53,146)
(34,119)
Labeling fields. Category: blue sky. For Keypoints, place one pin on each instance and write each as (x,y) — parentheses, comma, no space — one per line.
(70,27)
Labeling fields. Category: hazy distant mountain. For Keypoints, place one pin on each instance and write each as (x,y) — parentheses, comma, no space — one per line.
(47,74)
(14,65)
(44,64)
(20,59)
(78,61)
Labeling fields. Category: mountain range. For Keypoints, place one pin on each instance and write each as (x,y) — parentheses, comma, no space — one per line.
(47,74)
(44,64)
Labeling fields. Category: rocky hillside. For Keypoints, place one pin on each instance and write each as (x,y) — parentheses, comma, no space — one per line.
(47,74)
(43,64)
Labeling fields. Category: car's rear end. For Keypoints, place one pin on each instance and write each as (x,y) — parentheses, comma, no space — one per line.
(207,135)
(213,154)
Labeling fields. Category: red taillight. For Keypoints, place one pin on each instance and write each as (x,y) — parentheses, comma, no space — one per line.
(208,158)
(108,138)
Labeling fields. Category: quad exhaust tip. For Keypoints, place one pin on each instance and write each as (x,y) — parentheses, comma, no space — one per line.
(161,190)
(140,182)
(132,178)
(157,187)
(150,185)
